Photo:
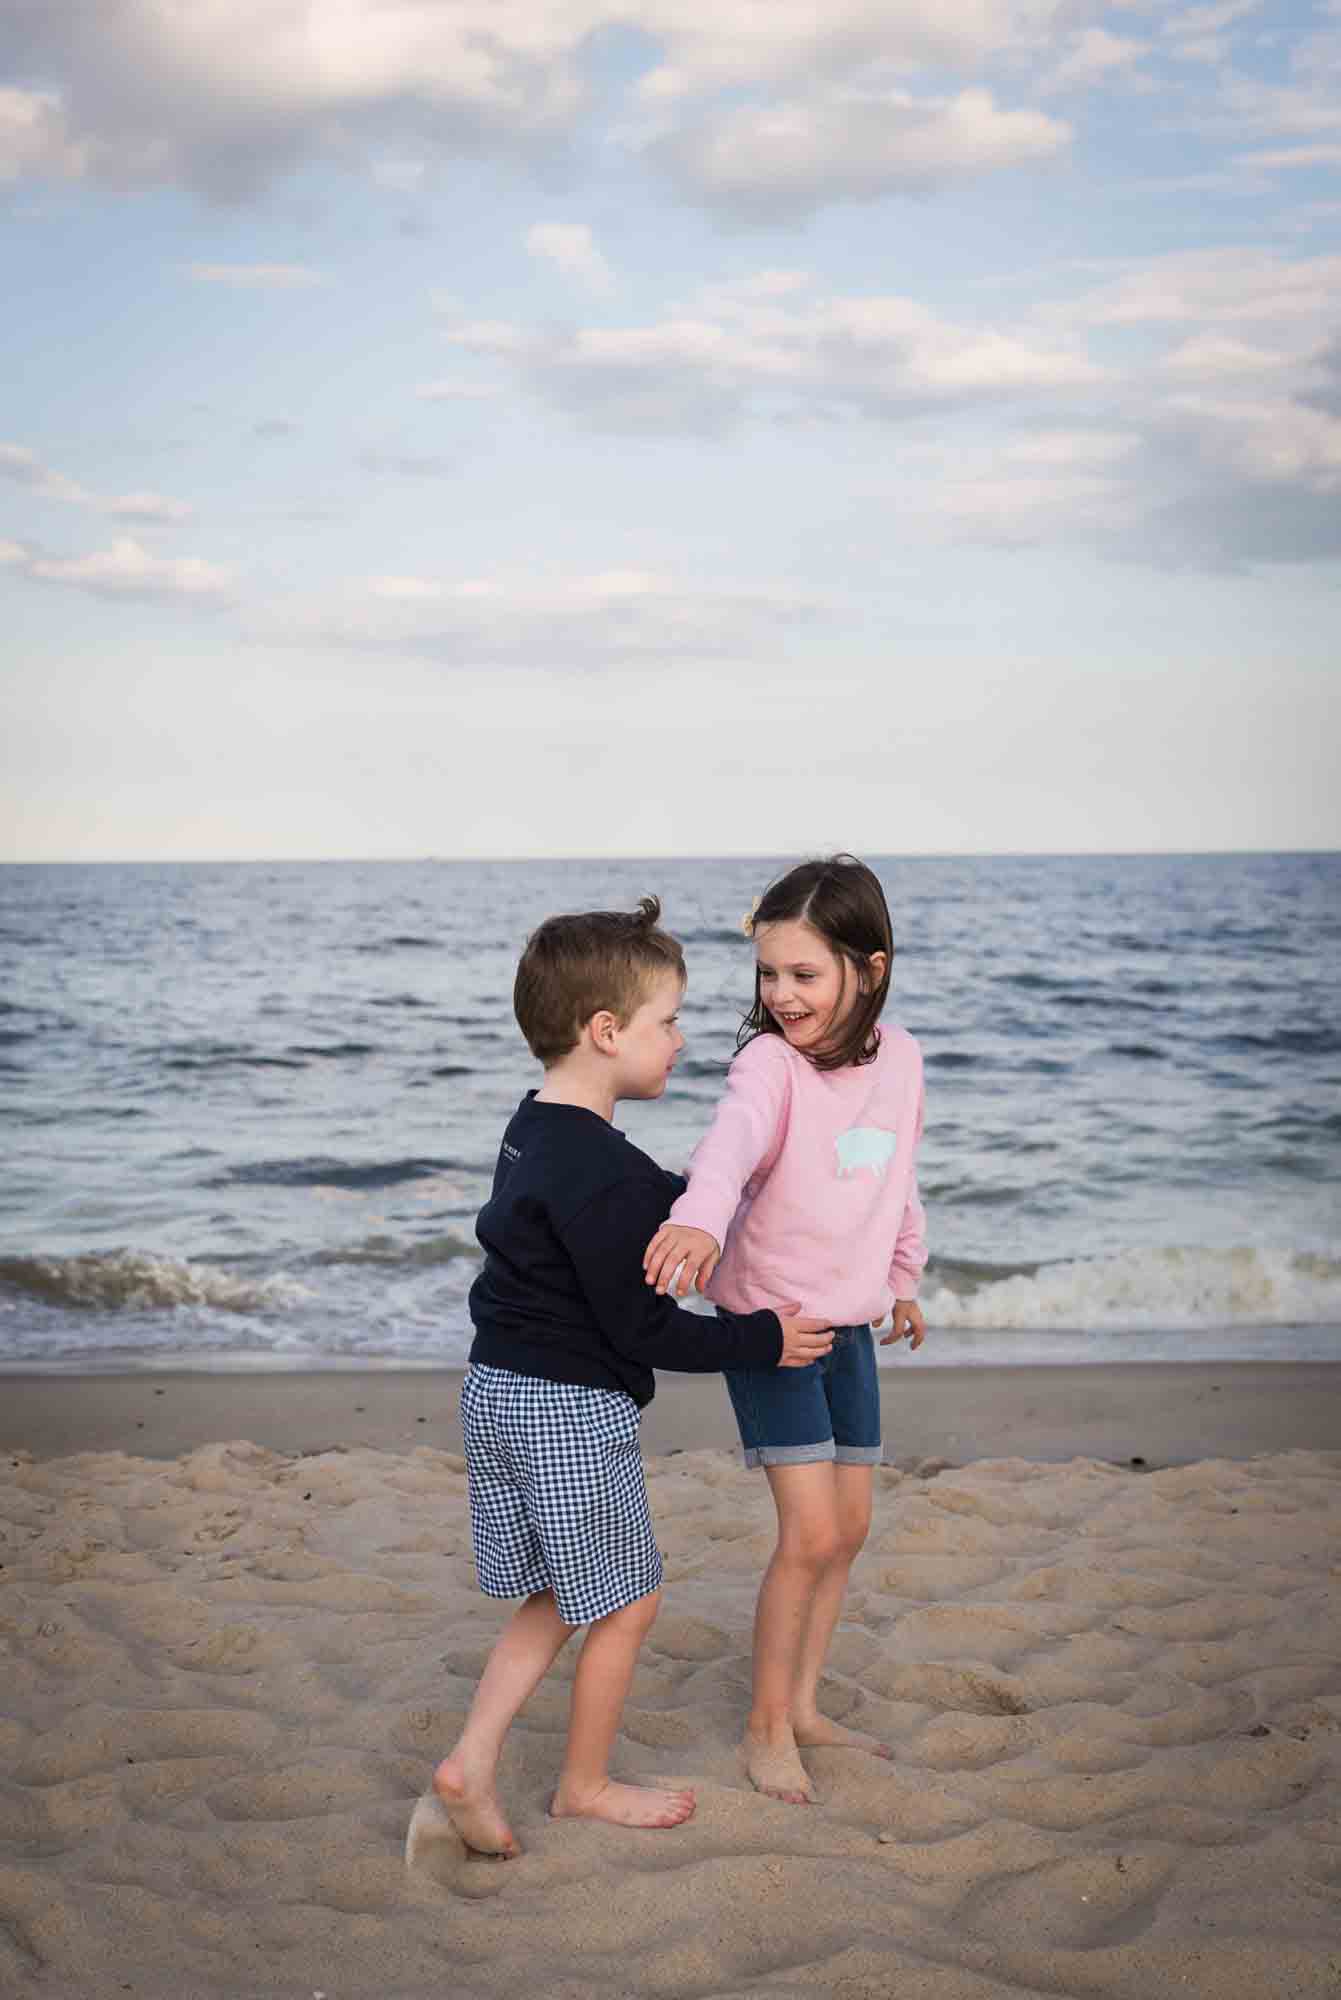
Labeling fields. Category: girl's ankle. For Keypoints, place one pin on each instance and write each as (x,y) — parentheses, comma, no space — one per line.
(770,1728)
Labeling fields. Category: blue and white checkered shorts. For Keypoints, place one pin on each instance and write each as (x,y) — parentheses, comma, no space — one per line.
(557,1496)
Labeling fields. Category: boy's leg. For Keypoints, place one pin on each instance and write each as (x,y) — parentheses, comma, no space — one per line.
(524,1652)
(808,1542)
(854,1487)
(600,1686)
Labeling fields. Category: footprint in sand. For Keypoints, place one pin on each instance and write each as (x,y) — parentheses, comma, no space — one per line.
(435,1853)
(681,1638)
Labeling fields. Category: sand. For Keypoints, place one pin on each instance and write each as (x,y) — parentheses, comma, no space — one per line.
(1114,1696)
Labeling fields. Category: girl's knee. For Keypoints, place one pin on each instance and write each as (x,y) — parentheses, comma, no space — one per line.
(813,1549)
(852,1537)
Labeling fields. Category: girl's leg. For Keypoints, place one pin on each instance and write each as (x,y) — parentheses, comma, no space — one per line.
(600,1686)
(853,1492)
(523,1654)
(808,1542)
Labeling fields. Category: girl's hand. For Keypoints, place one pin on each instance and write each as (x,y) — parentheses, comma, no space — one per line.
(906,1323)
(692,1251)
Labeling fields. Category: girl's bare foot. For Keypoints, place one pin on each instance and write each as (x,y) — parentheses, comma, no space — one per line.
(821,1734)
(474,1811)
(625,1805)
(774,1766)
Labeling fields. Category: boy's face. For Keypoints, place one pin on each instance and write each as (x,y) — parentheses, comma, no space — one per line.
(651,1041)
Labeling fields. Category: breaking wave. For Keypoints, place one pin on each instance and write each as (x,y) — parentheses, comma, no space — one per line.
(1140,1288)
(136,1281)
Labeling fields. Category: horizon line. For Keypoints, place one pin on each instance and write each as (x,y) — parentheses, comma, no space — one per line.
(714,854)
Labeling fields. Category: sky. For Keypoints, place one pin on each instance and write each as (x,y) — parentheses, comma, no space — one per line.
(544,427)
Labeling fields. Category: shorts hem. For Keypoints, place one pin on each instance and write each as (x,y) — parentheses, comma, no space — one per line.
(789,1454)
(618,1599)
(608,1606)
(859,1454)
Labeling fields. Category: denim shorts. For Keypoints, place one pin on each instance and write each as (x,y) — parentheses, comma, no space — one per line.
(827,1410)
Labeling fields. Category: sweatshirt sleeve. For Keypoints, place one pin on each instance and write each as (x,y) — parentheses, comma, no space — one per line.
(606,1240)
(744,1134)
(910,1246)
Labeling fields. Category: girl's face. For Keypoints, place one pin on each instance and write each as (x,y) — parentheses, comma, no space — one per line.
(803,982)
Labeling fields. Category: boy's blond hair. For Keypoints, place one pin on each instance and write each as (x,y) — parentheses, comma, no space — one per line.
(574,967)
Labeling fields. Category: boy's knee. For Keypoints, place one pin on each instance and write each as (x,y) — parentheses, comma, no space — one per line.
(638,1616)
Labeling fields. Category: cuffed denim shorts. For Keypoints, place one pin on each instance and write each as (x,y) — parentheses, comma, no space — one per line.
(827,1410)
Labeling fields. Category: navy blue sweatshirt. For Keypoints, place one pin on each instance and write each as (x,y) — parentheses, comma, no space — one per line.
(562,1294)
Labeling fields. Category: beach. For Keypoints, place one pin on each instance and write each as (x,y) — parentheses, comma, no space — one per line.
(1097,1621)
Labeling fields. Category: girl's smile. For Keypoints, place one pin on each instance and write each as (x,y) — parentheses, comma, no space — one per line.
(806,987)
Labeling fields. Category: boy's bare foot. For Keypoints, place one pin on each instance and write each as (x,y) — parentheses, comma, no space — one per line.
(474,1811)
(821,1734)
(625,1805)
(775,1767)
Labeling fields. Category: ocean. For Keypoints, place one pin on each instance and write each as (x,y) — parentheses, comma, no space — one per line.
(248,1111)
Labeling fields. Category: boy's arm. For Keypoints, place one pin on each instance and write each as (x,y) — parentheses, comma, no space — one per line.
(743,1133)
(605,1240)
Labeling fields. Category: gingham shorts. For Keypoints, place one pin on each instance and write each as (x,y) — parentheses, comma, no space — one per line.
(557,1496)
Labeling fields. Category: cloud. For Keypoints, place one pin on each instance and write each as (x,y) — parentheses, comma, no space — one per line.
(768,355)
(125,570)
(1216,444)
(1209,355)
(1198,34)
(607,618)
(571,248)
(408,464)
(1094,55)
(792,156)
(24,468)
(256,277)
(713,45)
(1225,286)
(455,392)
(225,96)
(1325,393)
(1296,156)
(34,142)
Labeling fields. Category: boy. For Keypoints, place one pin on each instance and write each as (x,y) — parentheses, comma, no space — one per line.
(566,1337)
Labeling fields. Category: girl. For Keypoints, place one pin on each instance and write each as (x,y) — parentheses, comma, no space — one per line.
(804,1188)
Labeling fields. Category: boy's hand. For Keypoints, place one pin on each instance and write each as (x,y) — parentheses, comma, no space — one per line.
(692,1251)
(906,1323)
(803,1340)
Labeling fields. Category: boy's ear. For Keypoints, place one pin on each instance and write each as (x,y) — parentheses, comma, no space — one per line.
(603,1028)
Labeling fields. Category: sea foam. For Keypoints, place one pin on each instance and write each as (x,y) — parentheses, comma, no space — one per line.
(1149,1288)
(136,1281)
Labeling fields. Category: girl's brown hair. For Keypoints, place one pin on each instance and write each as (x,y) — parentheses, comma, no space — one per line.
(842,900)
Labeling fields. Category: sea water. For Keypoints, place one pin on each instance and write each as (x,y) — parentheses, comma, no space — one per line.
(248,1111)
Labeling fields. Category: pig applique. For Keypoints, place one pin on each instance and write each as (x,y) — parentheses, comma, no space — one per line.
(864,1146)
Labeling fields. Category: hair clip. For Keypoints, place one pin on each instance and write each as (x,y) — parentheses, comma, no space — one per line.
(747,921)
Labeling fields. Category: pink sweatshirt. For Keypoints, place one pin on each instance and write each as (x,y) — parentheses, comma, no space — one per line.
(806,1178)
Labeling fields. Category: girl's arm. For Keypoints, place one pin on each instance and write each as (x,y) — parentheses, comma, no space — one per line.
(909,1262)
(743,1137)
(910,1248)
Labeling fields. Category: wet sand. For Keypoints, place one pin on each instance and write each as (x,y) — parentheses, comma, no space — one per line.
(1164,1413)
